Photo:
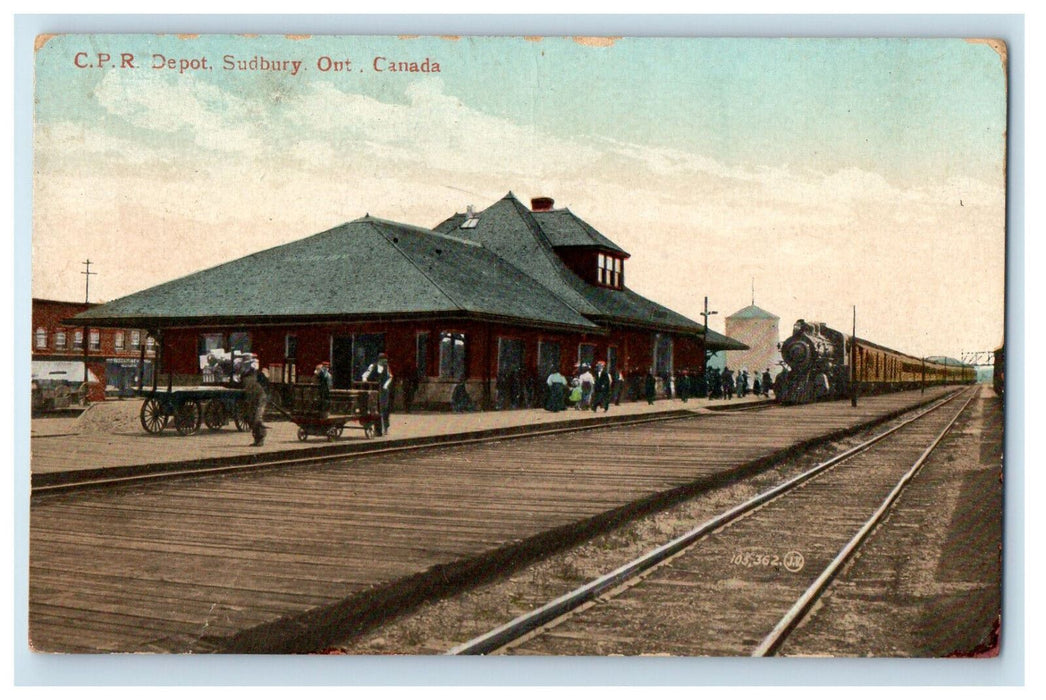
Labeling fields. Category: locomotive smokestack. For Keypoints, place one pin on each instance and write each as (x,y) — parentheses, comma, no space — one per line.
(541,204)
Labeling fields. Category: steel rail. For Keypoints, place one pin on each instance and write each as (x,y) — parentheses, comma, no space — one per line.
(528,622)
(787,623)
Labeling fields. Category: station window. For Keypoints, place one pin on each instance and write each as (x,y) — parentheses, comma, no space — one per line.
(240,342)
(95,339)
(586,354)
(78,340)
(548,358)
(421,351)
(609,270)
(210,341)
(118,341)
(452,355)
(41,338)
(59,340)
(290,346)
(136,340)
(662,354)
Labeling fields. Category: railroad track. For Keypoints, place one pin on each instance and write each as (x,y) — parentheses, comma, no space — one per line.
(739,583)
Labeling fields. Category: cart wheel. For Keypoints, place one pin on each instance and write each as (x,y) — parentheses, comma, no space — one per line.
(187,417)
(302,434)
(214,414)
(368,430)
(332,432)
(341,429)
(153,418)
(240,417)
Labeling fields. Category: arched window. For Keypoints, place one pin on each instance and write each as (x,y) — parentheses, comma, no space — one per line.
(41,338)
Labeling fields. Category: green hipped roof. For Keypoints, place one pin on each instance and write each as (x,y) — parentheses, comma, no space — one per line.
(564,229)
(519,235)
(507,229)
(505,267)
(368,267)
(753,311)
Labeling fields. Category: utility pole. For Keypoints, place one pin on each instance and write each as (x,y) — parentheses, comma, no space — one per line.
(853,364)
(87,335)
(706,313)
(87,280)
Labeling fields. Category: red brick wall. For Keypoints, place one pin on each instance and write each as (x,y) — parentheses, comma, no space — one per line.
(634,347)
(49,314)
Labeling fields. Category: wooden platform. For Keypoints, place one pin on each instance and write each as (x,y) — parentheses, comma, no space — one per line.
(278,561)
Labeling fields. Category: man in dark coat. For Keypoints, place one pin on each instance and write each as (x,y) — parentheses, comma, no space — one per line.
(683,385)
(255,390)
(766,383)
(380,373)
(728,382)
(650,388)
(715,384)
(601,388)
(324,384)
(619,387)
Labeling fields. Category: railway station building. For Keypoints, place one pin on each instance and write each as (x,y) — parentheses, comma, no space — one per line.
(496,299)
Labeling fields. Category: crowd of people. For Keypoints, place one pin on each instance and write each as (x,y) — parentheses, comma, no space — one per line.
(724,384)
(590,388)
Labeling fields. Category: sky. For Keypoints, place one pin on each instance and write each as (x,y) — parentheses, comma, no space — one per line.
(826,173)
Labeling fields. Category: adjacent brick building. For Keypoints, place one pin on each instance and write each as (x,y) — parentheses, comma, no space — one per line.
(112,355)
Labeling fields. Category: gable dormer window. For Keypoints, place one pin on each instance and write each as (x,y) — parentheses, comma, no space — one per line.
(609,271)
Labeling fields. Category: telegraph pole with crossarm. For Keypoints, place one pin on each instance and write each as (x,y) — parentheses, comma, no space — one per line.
(87,338)
(706,313)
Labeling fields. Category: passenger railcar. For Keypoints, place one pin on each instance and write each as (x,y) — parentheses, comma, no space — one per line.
(820,362)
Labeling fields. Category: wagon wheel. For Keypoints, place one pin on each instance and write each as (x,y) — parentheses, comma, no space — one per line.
(187,417)
(240,417)
(153,417)
(368,430)
(214,414)
(333,431)
(302,434)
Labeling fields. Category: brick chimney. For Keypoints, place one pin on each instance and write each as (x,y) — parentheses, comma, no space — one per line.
(541,204)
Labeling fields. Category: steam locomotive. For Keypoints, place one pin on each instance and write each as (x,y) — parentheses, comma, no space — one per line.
(817,363)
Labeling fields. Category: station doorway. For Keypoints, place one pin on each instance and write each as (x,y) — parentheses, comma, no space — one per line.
(351,355)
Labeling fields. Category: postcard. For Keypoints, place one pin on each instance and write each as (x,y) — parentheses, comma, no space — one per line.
(568,346)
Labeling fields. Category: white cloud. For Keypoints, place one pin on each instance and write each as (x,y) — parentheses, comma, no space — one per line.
(202,176)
